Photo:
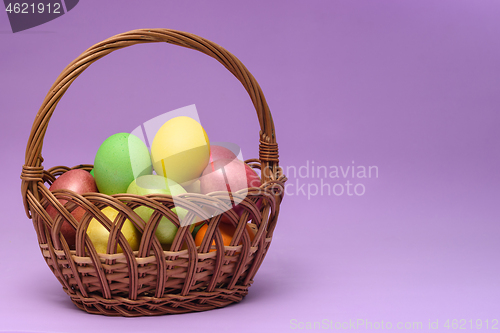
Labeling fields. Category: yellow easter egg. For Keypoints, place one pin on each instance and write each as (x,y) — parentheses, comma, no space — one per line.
(99,235)
(180,150)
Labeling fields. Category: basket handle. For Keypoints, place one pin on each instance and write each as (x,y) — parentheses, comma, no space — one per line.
(268,149)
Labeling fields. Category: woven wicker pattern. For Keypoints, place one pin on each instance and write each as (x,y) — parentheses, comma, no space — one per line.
(153,280)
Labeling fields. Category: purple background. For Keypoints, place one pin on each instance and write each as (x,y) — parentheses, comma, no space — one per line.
(412,87)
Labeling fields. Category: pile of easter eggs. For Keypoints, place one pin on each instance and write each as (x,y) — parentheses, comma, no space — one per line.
(181,161)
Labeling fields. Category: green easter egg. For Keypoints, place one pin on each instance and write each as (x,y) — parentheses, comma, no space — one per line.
(155,184)
(120,159)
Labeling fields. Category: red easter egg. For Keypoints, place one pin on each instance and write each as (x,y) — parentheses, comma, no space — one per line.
(220,152)
(78,181)
(231,176)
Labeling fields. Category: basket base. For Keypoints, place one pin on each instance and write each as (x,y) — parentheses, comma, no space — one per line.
(153,306)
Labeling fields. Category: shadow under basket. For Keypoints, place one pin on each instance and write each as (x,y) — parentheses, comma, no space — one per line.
(154,280)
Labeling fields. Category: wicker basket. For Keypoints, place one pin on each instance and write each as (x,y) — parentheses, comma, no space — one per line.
(152,281)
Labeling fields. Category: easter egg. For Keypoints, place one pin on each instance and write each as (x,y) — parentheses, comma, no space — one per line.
(219,152)
(120,159)
(197,228)
(99,235)
(227,232)
(180,150)
(229,175)
(78,181)
(155,184)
